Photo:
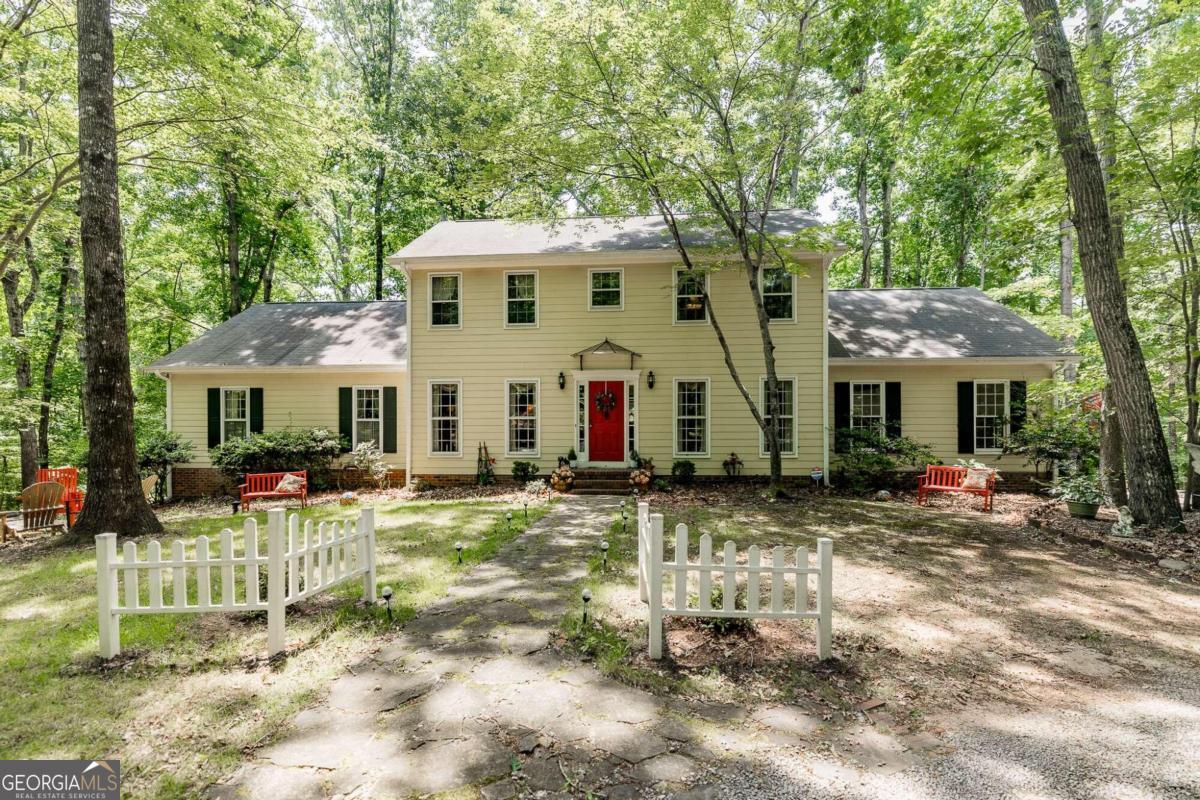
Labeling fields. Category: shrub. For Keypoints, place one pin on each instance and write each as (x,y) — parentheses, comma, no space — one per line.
(724,626)
(1080,487)
(1067,436)
(870,458)
(157,452)
(662,485)
(683,471)
(311,449)
(524,471)
(367,458)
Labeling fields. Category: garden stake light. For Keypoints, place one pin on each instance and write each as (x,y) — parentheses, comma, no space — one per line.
(587,598)
(508,521)
(624,518)
(458,548)
(387,601)
(604,555)
(526,510)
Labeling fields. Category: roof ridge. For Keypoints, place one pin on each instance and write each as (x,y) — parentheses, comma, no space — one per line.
(911,289)
(572,218)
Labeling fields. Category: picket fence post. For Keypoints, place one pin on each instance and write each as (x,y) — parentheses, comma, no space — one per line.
(655,585)
(825,598)
(106,591)
(643,520)
(367,544)
(276,587)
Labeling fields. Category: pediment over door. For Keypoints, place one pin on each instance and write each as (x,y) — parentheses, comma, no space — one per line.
(605,348)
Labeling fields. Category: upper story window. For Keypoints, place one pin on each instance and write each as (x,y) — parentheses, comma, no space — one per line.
(606,289)
(235,407)
(368,415)
(445,300)
(689,296)
(991,414)
(520,299)
(778,293)
(866,405)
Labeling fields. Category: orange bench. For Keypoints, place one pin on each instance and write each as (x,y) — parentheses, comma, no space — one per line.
(263,485)
(950,479)
(68,477)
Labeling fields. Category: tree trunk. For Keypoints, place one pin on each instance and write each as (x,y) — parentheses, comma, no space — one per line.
(377,212)
(1066,285)
(1152,493)
(885,225)
(114,499)
(1112,452)
(864,223)
(17,308)
(56,337)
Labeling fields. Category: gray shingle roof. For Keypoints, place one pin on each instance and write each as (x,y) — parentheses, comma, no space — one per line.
(368,334)
(931,323)
(497,237)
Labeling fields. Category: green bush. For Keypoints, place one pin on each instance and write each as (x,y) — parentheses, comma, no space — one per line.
(311,449)
(869,458)
(1068,436)
(524,471)
(157,451)
(683,471)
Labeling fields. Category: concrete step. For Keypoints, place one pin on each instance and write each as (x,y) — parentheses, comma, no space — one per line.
(606,492)
(595,483)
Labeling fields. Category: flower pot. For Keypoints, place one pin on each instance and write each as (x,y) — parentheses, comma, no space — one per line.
(573,464)
(1082,510)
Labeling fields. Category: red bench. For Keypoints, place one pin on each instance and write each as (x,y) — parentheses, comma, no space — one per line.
(263,485)
(950,479)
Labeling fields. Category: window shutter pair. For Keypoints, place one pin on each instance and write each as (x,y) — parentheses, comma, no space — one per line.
(841,411)
(214,413)
(346,418)
(966,412)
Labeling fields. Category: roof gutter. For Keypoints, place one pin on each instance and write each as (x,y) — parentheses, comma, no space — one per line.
(868,361)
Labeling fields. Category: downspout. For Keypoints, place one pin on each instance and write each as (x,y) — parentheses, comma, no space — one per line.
(825,426)
(408,362)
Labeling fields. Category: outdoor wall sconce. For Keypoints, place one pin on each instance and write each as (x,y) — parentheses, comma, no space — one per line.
(650,379)
(562,380)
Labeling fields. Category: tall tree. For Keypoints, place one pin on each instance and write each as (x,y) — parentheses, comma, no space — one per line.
(115,501)
(1152,494)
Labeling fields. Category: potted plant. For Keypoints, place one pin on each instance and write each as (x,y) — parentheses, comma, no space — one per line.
(1082,494)
(572,459)
(732,465)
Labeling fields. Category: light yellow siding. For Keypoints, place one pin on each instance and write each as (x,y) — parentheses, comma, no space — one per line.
(307,399)
(929,401)
(483,354)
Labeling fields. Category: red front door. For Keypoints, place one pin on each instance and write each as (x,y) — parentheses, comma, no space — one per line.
(606,421)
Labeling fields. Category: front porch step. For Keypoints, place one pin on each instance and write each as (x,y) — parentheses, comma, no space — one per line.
(591,490)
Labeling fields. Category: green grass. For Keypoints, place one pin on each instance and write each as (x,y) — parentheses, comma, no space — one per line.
(191,692)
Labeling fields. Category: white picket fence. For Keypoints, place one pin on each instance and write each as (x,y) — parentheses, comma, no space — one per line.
(300,562)
(785,602)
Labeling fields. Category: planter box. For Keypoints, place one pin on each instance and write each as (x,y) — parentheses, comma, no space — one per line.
(1081,510)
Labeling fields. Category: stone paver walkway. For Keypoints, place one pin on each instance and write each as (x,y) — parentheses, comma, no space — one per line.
(469,694)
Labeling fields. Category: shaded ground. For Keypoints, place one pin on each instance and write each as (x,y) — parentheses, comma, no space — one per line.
(972,661)
(190,692)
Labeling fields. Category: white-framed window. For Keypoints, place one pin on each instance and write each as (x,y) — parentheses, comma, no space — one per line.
(689,296)
(778,288)
(368,415)
(691,416)
(991,415)
(522,413)
(784,417)
(445,300)
(520,299)
(445,418)
(867,405)
(606,289)
(235,412)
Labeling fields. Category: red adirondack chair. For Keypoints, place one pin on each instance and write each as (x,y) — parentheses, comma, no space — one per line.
(69,478)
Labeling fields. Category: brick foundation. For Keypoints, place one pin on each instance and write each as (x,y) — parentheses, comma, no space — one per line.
(191,482)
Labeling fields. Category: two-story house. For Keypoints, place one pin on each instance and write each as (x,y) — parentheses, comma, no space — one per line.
(587,334)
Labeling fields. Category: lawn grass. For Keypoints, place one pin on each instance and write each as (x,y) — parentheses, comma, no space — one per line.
(191,692)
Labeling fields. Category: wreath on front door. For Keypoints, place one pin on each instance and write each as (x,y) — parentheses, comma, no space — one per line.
(606,402)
